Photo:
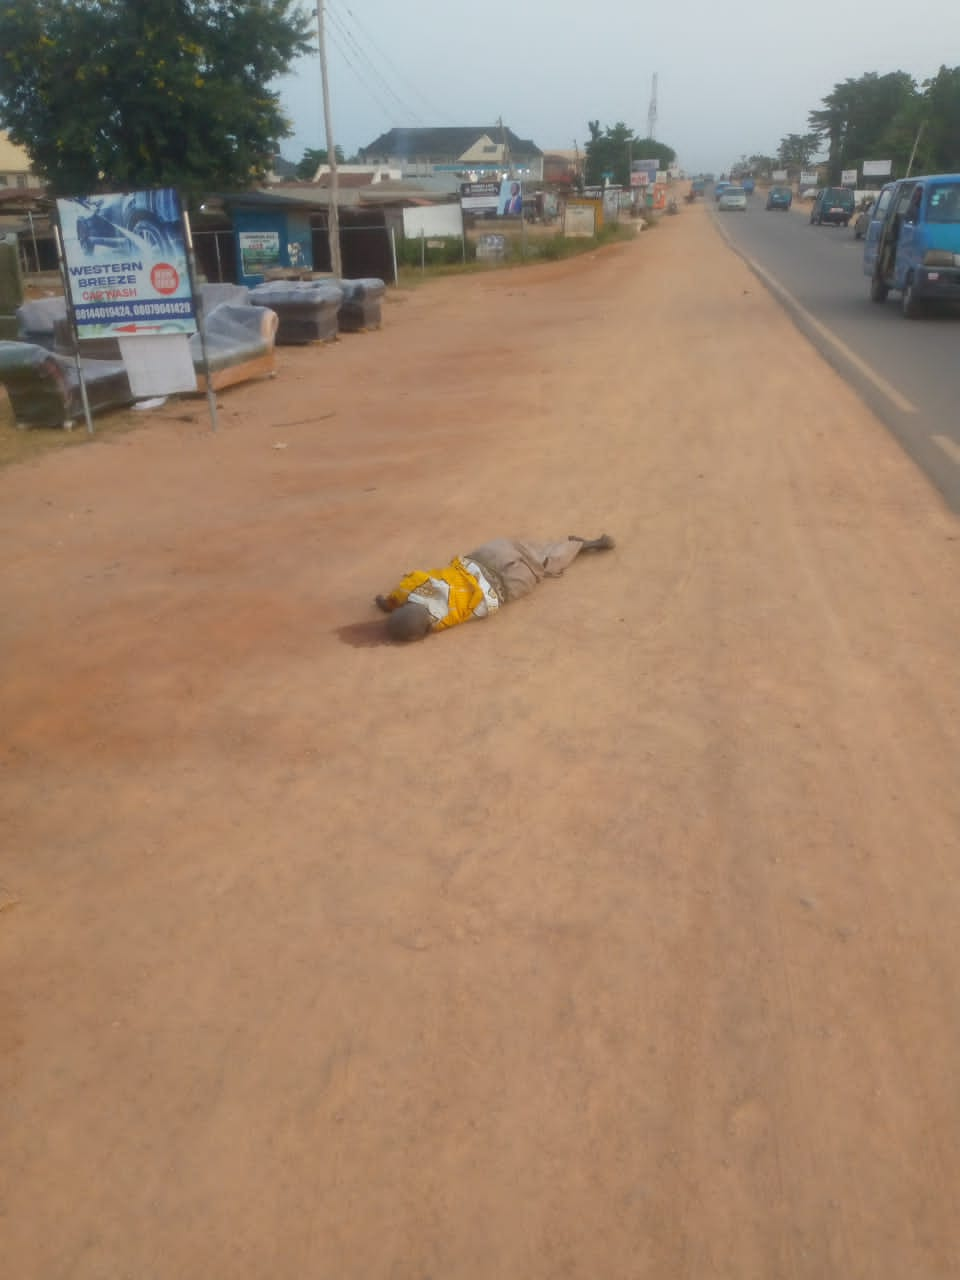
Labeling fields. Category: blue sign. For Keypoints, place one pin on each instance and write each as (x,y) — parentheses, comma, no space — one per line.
(126,262)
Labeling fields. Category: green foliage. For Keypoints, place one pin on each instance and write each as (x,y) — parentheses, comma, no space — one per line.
(797,150)
(611,150)
(313,158)
(869,118)
(138,93)
(939,148)
(435,251)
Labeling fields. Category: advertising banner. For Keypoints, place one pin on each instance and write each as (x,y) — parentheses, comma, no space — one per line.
(876,168)
(433,220)
(643,172)
(848,178)
(510,204)
(480,197)
(126,261)
(779,175)
(259,251)
(809,179)
(580,217)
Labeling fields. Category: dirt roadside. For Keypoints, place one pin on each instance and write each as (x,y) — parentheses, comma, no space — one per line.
(614,937)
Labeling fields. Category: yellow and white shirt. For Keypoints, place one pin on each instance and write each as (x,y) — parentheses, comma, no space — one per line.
(454,594)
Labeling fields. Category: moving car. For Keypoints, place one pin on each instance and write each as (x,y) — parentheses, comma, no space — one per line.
(733,198)
(779,198)
(913,242)
(833,205)
(719,189)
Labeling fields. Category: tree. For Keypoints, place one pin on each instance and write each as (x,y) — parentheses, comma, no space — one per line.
(610,151)
(143,93)
(869,118)
(796,150)
(313,158)
(939,112)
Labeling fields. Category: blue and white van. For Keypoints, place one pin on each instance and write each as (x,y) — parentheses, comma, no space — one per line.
(913,242)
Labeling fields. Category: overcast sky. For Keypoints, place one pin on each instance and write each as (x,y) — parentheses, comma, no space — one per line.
(735,76)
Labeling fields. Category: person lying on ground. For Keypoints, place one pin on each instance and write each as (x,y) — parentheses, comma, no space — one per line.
(477,584)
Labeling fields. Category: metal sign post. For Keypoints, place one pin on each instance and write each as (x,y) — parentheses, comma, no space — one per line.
(71,320)
(201,319)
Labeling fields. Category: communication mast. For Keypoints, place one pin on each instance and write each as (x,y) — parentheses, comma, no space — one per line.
(652,111)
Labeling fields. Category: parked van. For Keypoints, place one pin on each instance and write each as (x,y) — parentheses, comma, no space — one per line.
(913,242)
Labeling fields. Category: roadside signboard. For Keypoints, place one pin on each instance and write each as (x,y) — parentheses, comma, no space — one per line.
(877,168)
(779,175)
(643,172)
(848,178)
(480,197)
(125,256)
(259,251)
(510,200)
(809,179)
(581,217)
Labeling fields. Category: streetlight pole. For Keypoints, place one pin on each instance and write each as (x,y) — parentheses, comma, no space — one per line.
(333,209)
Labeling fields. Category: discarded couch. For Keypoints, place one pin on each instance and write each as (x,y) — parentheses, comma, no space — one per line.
(44,388)
(307,309)
(360,308)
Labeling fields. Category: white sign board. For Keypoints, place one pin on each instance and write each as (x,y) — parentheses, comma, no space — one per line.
(876,168)
(809,179)
(779,175)
(158,365)
(580,220)
(848,178)
(433,220)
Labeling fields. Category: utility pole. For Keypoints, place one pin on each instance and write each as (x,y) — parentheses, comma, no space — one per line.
(916,143)
(652,110)
(333,209)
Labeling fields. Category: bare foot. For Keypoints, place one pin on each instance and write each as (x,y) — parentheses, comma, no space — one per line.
(603,543)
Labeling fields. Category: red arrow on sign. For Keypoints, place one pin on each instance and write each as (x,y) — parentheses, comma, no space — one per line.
(136,328)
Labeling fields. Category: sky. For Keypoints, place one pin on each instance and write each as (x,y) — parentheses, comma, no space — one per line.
(734,76)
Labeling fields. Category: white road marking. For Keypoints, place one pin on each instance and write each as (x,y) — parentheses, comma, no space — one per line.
(882,385)
(867,371)
(949,447)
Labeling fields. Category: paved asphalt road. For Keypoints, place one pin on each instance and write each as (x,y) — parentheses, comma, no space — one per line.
(907,370)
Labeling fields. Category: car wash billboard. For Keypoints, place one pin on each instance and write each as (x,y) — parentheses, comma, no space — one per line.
(126,262)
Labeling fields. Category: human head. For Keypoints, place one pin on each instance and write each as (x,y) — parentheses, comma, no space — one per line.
(514,188)
(409,622)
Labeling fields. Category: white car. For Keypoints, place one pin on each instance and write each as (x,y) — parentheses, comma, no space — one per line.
(733,198)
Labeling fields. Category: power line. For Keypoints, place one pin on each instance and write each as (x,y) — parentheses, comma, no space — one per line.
(371,89)
(358,52)
(397,71)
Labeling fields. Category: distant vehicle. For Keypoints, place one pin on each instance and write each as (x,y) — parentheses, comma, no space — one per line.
(833,205)
(733,198)
(913,242)
(779,198)
(719,189)
(862,221)
(698,186)
(748,185)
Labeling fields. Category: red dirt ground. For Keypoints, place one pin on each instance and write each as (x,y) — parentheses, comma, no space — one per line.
(613,937)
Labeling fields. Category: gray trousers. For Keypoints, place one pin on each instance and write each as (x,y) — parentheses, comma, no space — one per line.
(516,567)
